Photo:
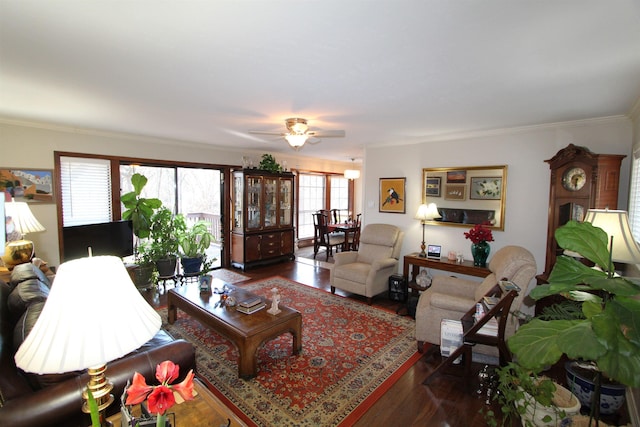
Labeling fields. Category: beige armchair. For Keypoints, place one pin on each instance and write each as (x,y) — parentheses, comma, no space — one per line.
(451,297)
(366,272)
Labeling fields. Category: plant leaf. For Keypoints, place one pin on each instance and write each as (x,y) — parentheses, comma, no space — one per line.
(138,181)
(621,362)
(540,343)
(589,241)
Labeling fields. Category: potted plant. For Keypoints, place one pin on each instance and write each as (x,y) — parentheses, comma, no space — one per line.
(535,400)
(269,163)
(193,242)
(140,211)
(605,333)
(165,230)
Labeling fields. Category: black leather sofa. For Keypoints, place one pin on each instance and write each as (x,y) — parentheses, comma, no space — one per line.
(32,400)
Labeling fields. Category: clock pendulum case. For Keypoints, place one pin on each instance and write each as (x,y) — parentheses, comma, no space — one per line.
(580,180)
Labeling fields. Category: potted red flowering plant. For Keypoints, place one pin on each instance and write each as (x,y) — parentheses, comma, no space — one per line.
(160,397)
(480,236)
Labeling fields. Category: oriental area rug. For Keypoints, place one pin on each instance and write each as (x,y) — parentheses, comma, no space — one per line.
(351,354)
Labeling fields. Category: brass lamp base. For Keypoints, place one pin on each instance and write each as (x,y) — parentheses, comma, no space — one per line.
(17,252)
(101,391)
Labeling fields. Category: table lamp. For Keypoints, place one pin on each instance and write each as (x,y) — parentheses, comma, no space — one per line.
(19,222)
(616,224)
(426,213)
(77,330)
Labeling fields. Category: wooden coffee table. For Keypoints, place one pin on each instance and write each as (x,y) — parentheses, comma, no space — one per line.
(246,331)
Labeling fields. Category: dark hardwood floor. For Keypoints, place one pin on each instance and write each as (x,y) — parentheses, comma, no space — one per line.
(447,401)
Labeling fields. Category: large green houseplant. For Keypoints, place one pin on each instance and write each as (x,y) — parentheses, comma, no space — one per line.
(163,240)
(140,211)
(194,241)
(607,331)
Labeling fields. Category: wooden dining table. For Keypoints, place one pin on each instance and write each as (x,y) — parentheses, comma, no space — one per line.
(348,228)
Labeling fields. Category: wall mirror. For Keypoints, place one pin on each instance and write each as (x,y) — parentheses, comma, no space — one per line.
(466,196)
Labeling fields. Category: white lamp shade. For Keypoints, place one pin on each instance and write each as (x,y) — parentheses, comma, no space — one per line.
(93,315)
(22,218)
(352,173)
(427,212)
(616,223)
(296,140)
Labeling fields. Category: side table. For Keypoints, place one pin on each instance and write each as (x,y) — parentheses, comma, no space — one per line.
(465,267)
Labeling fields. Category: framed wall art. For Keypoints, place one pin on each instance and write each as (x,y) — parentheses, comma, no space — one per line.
(392,195)
(454,192)
(486,188)
(432,186)
(468,195)
(28,185)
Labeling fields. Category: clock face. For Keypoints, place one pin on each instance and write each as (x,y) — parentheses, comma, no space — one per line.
(574,179)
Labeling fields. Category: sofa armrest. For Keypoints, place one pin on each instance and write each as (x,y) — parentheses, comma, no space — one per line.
(60,404)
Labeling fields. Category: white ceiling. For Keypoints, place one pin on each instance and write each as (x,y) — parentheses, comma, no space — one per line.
(387,72)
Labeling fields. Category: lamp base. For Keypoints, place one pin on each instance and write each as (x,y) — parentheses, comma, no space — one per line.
(18,252)
(100,387)
(422,253)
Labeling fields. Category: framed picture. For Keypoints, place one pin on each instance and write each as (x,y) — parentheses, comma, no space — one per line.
(489,188)
(392,195)
(457,177)
(455,192)
(28,185)
(432,186)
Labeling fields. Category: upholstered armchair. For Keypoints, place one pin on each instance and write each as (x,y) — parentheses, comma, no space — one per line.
(366,272)
(451,297)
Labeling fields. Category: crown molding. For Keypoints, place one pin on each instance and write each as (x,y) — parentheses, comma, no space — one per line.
(511,130)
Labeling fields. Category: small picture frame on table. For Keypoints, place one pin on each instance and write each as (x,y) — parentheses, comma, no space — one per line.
(434,251)
(205,283)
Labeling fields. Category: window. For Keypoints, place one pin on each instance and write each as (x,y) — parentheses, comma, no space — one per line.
(320,191)
(634,196)
(311,189)
(88,183)
(86,190)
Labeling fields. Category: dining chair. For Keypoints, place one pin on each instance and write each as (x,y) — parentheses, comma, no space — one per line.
(352,237)
(323,238)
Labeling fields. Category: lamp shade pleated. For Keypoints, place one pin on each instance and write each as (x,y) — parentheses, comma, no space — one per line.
(94,314)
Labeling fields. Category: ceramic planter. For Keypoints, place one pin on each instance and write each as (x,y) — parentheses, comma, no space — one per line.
(535,413)
(611,395)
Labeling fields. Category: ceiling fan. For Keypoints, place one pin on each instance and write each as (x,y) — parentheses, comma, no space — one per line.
(298,132)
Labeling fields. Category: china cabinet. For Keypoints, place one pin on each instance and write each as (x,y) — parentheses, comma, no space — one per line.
(262,229)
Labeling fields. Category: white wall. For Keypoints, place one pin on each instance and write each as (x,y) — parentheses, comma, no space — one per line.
(33,147)
(524,151)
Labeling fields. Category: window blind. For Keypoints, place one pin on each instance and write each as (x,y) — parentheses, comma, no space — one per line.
(86,190)
(634,196)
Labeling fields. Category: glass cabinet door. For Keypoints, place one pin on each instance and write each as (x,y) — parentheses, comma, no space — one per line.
(254,202)
(238,223)
(286,188)
(270,202)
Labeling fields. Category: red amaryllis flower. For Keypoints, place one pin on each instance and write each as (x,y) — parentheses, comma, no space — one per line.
(185,388)
(479,233)
(138,391)
(161,399)
(167,372)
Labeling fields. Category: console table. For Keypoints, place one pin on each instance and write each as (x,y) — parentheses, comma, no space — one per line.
(465,267)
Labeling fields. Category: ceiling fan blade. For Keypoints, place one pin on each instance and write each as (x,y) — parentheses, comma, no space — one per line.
(264,132)
(327,133)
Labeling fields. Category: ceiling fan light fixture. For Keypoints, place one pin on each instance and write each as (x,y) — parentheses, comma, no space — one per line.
(296,140)
(297,125)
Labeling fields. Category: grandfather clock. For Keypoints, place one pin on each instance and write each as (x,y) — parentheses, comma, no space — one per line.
(580,180)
